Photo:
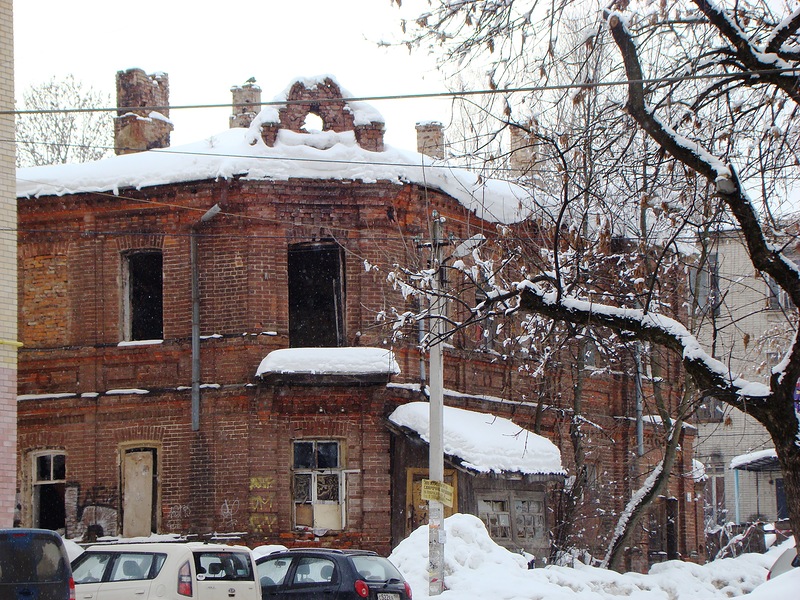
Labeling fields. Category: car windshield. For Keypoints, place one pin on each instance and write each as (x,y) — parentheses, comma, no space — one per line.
(375,568)
(27,557)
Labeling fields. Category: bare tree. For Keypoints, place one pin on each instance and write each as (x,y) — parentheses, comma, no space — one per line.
(708,134)
(46,136)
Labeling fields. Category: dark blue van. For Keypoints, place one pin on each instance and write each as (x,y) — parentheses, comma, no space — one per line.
(34,566)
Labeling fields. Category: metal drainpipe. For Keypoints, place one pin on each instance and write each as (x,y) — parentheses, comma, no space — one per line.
(210,213)
(195,332)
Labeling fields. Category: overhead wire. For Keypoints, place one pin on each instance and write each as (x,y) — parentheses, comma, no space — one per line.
(428,95)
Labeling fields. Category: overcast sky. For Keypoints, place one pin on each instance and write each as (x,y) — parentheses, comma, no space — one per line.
(206,47)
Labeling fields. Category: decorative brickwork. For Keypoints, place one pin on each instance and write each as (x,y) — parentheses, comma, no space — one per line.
(324,99)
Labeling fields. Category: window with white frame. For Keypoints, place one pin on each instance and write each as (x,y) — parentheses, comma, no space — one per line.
(318,488)
(49,483)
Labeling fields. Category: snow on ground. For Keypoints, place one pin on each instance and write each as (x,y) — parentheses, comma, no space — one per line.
(476,569)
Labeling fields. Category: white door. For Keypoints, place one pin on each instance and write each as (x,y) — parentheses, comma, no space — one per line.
(137,493)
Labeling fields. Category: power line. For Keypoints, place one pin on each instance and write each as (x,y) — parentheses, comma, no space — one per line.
(428,95)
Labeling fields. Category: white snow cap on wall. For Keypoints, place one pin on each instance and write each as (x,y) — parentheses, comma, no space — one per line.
(239,152)
(330,361)
(484,442)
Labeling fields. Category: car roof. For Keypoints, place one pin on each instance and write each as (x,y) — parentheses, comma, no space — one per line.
(329,551)
(165,547)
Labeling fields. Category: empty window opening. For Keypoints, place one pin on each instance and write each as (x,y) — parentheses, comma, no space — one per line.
(144,296)
(49,482)
(316,292)
(313,123)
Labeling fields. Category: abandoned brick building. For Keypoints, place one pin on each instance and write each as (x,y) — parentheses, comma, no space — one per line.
(154,283)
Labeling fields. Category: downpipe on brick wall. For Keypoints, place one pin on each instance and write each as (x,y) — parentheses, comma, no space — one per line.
(210,214)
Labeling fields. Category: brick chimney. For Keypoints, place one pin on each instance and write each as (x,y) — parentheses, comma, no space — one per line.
(522,156)
(139,125)
(246,103)
(430,139)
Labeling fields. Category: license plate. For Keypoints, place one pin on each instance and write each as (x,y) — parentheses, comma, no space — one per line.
(384,596)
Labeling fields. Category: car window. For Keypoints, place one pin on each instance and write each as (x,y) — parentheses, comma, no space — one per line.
(313,569)
(375,568)
(273,570)
(28,557)
(90,566)
(134,565)
(225,566)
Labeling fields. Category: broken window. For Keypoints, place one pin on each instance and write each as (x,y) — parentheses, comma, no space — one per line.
(318,485)
(316,292)
(143,296)
(49,483)
(520,519)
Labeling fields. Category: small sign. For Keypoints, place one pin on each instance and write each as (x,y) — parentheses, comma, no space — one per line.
(438,492)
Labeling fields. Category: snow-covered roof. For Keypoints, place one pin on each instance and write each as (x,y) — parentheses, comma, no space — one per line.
(240,152)
(761,460)
(484,442)
(329,361)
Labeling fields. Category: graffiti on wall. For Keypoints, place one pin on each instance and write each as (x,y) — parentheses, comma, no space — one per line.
(261,504)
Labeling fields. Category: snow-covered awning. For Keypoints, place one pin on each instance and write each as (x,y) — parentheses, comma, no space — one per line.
(329,365)
(483,442)
(762,460)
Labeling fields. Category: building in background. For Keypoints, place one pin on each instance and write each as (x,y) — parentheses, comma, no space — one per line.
(748,321)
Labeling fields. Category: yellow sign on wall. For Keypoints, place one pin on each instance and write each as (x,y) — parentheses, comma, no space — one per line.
(438,492)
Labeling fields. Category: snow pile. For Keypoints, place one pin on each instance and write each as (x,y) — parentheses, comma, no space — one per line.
(330,361)
(476,569)
(484,442)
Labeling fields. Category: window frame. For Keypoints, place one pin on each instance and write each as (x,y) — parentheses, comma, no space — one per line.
(314,472)
(511,501)
(38,483)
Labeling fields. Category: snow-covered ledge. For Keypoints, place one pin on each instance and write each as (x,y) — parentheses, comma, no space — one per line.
(484,443)
(328,366)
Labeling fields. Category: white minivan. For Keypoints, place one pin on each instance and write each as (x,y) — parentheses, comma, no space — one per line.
(165,571)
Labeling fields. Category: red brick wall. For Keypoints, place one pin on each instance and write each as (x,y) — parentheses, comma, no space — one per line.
(234,474)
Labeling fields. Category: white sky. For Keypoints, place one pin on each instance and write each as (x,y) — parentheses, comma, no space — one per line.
(207,47)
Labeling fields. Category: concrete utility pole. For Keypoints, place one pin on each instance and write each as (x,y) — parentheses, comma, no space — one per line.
(436,537)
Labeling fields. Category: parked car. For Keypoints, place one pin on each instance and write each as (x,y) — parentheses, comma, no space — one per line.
(34,564)
(166,571)
(787,561)
(332,574)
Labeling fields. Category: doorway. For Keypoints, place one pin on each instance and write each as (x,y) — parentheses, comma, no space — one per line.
(139,492)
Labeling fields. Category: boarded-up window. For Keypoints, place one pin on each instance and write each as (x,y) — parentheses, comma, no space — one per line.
(517,518)
(316,292)
(143,296)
